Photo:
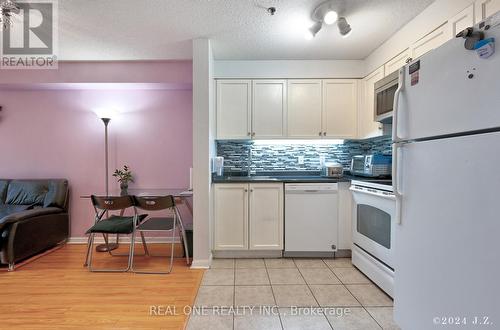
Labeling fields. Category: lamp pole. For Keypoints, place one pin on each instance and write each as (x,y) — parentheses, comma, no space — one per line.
(112,246)
(106,154)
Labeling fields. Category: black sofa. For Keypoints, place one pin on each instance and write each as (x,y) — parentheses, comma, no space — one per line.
(33,217)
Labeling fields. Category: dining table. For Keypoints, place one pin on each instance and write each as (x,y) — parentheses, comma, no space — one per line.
(181,196)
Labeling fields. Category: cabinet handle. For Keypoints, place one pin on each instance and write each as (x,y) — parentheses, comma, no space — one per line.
(324,133)
(249,133)
(251,190)
(319,133)
(246,190)
(253,134)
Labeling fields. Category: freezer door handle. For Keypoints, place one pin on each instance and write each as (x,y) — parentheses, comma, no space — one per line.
(395,112)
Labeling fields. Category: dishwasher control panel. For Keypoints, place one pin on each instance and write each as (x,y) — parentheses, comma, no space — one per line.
(313,187)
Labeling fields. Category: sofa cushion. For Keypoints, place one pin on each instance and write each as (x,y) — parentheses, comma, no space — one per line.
(26,192)
(4,184)
(6,210)
(57,194)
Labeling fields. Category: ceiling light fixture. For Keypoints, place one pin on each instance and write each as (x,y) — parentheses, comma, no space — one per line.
(330,17)
(326,13)
(344,27)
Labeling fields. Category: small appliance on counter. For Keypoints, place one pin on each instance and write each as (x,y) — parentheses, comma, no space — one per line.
(332,170)
(373,166)
(219,166)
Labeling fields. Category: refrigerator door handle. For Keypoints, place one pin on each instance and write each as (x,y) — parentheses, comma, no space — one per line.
(397,174)
(395,112)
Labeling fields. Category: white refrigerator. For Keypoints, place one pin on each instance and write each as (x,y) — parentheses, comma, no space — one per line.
(446,131)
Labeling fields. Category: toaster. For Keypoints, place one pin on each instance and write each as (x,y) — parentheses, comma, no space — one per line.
(333,170)
(374,165)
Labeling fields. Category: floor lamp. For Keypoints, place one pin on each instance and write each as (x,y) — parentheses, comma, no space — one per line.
(106,120)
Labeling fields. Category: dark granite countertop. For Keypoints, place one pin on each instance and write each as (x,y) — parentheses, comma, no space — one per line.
(285,176)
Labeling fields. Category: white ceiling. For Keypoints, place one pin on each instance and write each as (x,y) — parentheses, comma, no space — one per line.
(240,29)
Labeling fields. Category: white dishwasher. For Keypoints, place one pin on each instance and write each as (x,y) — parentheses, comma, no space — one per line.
(311,219)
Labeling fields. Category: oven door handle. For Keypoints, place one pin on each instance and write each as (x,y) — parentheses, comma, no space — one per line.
(354,189)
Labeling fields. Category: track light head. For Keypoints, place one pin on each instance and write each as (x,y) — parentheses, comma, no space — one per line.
(344,27)
(313,30)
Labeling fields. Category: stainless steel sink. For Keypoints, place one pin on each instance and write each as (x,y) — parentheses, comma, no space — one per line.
(264,177)
(253,177)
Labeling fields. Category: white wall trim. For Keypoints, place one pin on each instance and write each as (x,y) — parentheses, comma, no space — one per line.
(202,264)
(203,149)
(123,240)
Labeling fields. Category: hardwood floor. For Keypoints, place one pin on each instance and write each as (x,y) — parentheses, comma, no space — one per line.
(57,292)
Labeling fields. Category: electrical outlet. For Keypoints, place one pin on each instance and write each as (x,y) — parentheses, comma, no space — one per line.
(322,160)
(301,160)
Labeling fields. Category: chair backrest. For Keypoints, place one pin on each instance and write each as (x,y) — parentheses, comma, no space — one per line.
(154,203)
(112,203)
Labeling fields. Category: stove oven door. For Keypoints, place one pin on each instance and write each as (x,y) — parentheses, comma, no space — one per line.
(373,223)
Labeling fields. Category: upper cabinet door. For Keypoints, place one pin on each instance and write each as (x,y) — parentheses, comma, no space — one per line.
(269,109)
(266,216)
(304,108)
(486,8)
(461,21)
(430,41)
(397,62)
(367,126)
(234,104)
(340,107)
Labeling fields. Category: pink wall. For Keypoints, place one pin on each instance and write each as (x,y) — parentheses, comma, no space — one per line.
(55,133)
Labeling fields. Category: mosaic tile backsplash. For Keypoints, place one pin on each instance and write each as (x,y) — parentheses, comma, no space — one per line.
(284,157)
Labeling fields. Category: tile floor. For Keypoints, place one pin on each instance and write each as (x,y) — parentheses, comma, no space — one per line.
(300,293)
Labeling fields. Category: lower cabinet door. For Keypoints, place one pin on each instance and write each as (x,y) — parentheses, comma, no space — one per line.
(266,216)
(231,216)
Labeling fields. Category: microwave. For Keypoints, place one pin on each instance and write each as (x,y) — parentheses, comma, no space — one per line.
(385,89)
(374,166)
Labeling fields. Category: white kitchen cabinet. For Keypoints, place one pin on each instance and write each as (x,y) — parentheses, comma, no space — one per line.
(340,102)
(304,108)
(234,104)
(269,109)
(431,41)
(266,216)
(485,8)
(397,62)
(248,216)
(367,126)
(461,21)
(345,216)
(231,216)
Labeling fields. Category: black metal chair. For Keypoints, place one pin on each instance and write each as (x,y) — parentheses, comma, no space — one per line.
(115,224)
(160,224)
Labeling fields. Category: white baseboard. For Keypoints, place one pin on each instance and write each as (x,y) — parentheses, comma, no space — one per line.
(123,240)
(202,264)
(248,254)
